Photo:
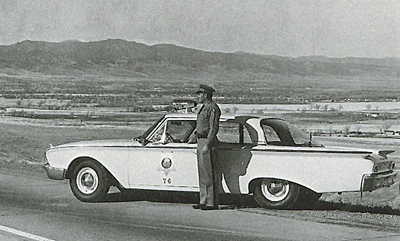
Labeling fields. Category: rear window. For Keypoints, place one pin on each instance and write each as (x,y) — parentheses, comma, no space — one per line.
(281,133)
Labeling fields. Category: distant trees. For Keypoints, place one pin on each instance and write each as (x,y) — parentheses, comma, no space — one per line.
(386,125)
(326,107)
(229,110)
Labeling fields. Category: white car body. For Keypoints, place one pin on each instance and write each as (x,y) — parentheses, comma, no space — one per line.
(152,162)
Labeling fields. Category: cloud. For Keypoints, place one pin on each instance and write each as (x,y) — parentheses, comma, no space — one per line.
(334,28)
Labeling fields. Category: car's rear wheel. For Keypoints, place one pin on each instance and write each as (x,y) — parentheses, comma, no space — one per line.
(276,193)
(89,182)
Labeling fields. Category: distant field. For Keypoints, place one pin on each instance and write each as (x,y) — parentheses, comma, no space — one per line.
(231,88)
(317,103)
(352,117)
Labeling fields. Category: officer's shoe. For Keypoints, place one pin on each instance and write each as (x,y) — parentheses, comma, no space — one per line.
(199,206)
(206,207)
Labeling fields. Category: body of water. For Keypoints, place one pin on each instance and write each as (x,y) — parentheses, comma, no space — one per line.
(345,106)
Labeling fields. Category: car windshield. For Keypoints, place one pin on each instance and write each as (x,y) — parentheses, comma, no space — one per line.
(281,133)
(148,131)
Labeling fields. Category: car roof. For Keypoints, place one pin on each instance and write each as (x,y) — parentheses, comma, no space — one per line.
(223,116)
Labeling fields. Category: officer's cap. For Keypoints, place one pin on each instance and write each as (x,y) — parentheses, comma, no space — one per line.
(205,89)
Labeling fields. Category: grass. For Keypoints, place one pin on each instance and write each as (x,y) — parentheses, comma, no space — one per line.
(21,142)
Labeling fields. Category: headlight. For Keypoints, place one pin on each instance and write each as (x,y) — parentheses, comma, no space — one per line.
(376,168)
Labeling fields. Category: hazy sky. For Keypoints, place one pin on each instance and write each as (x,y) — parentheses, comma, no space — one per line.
(334,28)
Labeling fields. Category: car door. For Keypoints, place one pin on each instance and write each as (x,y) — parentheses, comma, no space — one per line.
(168,161)
(234,155)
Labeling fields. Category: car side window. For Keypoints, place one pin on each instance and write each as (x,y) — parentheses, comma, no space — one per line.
(246,137)
(157,136)
(277,133)
(230,132)
(271,136)
(179,130)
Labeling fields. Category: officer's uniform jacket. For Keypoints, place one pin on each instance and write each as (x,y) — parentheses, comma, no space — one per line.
(208,122)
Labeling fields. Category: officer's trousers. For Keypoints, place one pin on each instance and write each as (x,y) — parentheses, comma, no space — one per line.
(207,174)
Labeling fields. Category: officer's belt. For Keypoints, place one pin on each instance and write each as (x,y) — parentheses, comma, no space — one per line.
(202,135)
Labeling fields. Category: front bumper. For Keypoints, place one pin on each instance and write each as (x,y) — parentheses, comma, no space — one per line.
(55,173)
(375,181)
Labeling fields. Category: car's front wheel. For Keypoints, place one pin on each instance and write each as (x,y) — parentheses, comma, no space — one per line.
(276,193)
(89,181)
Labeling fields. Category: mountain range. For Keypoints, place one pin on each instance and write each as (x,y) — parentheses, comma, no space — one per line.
(132,59)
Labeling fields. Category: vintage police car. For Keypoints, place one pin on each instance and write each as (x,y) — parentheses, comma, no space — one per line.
(266,157)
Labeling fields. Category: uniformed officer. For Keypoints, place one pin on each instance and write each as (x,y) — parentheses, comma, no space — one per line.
(207,129)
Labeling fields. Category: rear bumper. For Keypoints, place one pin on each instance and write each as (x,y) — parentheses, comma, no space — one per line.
(375,181)
(55,173)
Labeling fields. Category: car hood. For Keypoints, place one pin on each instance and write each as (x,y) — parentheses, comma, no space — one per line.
(100,143)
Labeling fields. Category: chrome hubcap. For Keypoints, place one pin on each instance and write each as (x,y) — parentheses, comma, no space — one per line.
(275,190)
(87,180)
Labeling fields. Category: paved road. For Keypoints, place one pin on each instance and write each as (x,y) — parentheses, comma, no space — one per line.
(35,208)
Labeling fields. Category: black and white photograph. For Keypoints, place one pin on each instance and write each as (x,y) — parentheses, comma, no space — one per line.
(199,120)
